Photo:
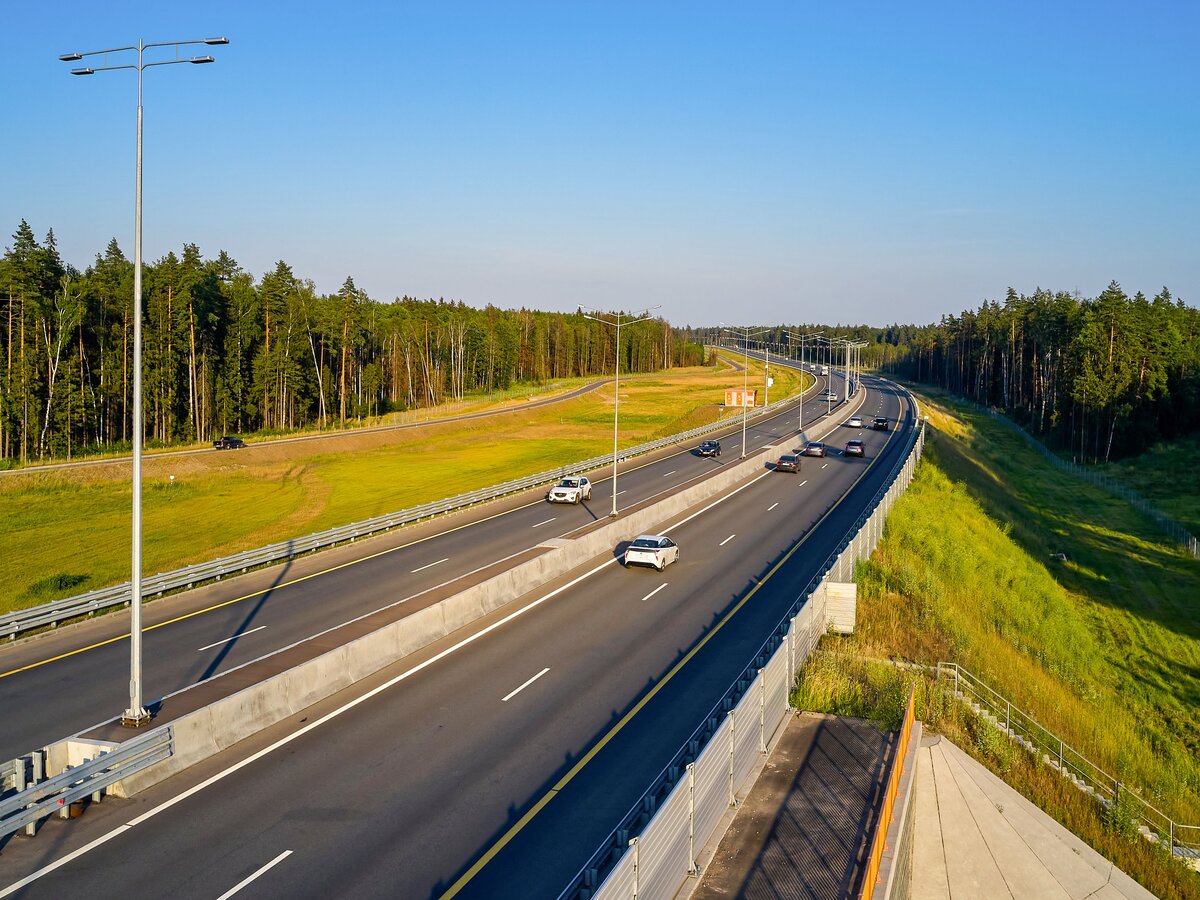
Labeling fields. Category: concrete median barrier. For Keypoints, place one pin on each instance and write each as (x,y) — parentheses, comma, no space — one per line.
(226,721)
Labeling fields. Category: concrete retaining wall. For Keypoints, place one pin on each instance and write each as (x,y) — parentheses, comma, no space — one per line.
(207,731)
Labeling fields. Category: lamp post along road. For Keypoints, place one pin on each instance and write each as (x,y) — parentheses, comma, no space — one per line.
(745,334)
(136,714)
(618,321)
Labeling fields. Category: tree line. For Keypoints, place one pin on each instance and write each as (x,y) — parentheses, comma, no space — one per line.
(225,353)
(1099,378)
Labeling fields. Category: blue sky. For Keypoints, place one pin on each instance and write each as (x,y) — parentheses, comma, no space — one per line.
(866,162)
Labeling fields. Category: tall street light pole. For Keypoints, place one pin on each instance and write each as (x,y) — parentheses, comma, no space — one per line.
(618,319)
(814,335)
(136,715)
(745,334)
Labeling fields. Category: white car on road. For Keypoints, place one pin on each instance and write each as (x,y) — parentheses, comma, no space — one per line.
(652,550)
(855,422)
(570,490)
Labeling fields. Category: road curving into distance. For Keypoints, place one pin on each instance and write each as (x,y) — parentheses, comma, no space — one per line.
(66,682)
(493,768)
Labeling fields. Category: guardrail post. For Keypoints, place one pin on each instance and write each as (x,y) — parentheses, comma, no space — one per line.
(693,867)
(762,711)
(1060,755)
(732,795)
(1008,717)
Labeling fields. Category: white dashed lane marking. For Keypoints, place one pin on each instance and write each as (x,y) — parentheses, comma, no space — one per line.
(727,540)
(525,685)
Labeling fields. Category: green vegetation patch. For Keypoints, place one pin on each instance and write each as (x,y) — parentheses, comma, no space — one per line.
(1061,597)
(77,522)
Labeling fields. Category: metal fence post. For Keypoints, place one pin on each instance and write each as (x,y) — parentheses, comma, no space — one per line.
(732,795)
(693,868)
(791,655)
(762,711)
(633,842)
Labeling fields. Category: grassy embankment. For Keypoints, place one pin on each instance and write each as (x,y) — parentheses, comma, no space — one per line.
(67,531)
(1102,648)
(1167,476)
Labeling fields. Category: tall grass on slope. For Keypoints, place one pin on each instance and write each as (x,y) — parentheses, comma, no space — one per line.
(1167,476)
(1102,646)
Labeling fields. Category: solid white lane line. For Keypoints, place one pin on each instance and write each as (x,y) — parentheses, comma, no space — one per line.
(653,592)
(86,848)
(430,566)
(364,698)
(241,884)
(546,522)
(228,639)
(665,474)
(525,685)
(727,540)
(772,506)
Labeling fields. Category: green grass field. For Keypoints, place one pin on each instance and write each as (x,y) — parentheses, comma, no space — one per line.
(1167,475)
(1103,647)
(67,531)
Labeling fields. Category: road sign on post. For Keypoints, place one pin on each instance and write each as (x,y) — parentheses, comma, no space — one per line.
(740,397)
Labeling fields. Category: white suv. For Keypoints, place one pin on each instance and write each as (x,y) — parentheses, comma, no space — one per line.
(570,490)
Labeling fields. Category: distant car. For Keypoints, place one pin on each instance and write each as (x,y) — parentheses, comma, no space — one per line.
(830,396)
(228,443)
(709,448)
(788,463)
(855,448)
(652,550)
(814,448)
(570,490)
(880,423)
(855,422)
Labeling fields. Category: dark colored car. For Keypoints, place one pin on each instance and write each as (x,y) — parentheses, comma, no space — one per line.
(814,448)
(880,423)
(709,448)
(228,443)
(788,463)
(855,448)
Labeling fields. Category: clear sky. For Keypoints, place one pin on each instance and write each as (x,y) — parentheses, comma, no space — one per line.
(748,162)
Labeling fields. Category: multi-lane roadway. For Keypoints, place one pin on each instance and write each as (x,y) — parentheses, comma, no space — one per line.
(496,769)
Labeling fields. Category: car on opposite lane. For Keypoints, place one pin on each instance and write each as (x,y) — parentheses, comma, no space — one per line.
(570,490)
(789,462)
(228,443)
(814,448)
(855,448)
(709,448)
(654,550)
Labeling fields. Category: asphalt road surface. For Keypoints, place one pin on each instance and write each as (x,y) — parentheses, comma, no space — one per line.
(539,735)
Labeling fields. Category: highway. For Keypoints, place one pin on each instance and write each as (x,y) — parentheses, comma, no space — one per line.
(67,682)
(553,722)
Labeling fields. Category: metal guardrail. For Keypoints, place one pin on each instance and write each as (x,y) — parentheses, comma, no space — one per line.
(56,794)
(858,542)
(1182,841)
(15,623)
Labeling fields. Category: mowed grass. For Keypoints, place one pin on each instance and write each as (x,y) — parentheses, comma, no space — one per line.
(68,531)
(1103,647)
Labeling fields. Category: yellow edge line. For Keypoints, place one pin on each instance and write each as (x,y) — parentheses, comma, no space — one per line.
(625,719)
